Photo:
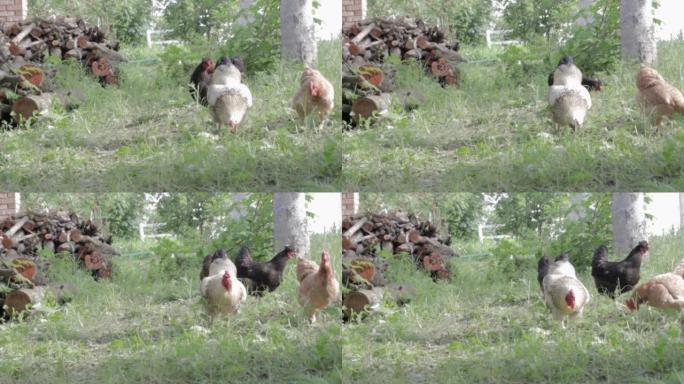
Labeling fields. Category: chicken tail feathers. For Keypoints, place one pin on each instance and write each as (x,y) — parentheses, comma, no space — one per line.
(243,260)
(305,267)
(599,256)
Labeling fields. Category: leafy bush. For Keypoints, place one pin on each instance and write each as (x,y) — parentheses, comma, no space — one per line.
(512,257)
(582,236)
(174,257)
(211,30)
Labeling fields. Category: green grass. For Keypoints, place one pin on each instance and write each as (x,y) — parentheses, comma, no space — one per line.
(149,134)
(491,134)
(485,327)
(148,327)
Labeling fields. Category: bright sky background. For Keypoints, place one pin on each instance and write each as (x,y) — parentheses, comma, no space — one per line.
(327,208)
(665,209)
(330,13)
(671,12)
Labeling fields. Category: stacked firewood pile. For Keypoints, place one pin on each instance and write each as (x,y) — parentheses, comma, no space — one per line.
(400,234)
(368,44)
(23,272)
(25,88)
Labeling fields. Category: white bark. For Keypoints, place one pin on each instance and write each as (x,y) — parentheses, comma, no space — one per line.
(290,222)
(297,31)
(681,211)
(637,32)
(629,220)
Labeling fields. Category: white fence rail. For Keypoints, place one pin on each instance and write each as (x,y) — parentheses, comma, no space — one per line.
(149,231)
(151,33)
(488,232)
(497,37)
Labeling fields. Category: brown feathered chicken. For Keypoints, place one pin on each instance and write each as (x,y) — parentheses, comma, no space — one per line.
(568,98)
(222,291)
(227,97)
(656,96)
(201,79)
(315,95)
(318,286)
(664,291)
(564,294)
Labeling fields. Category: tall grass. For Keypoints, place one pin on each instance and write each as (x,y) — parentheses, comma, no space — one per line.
(148,326)
(485,327)
(494,133)
(148,134)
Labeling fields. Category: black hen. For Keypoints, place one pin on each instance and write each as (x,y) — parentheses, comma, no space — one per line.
(620,276)
(544,265)
(201,79)
(543,269)
(260,277)
(220,254)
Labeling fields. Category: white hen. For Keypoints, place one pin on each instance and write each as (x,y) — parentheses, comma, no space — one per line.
(564,294)
(227,97)
(568,98)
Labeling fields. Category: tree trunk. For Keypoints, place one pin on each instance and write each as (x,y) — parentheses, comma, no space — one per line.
(681,211)
(290,222)
(637,34)
(297,31)
(629,220)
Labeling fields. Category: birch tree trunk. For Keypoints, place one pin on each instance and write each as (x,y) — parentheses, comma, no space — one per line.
(629,220)
(637,33)
(681,211)
(297,31)
(290,222)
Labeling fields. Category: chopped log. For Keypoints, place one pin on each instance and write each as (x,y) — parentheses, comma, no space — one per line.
(18,301)
(101,67)
(10,232)
(364,32)
(31,105)
(365,268)
(354,228)
(362,301)
(371,105)
(372,74)
(32,73)
(25,267)
(24,32)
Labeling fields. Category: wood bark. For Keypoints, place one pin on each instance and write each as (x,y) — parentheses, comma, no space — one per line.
(290,222)
(297,31)
(637,33)
(629,220)
(361,301)
(18,301)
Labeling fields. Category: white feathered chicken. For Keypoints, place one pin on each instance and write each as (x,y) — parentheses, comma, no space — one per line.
(227,97)
(569,100)
(564,294)
(221,290)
